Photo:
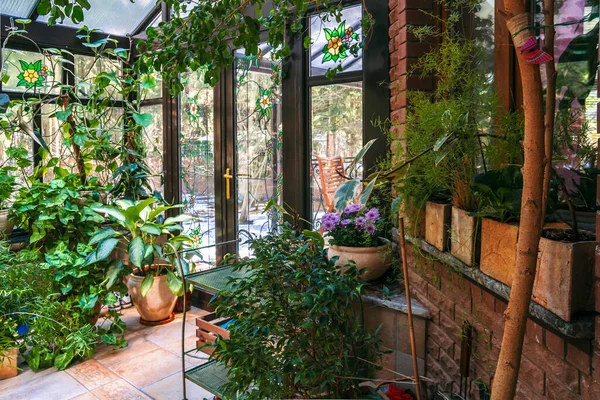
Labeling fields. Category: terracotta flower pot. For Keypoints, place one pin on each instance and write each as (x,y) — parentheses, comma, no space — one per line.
(438,224)
(6,225)
(465,237)
(377,259)
(498,250)
(564,280)
(157,306)
(8,364)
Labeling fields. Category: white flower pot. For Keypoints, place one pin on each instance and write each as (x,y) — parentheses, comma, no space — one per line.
(6,225)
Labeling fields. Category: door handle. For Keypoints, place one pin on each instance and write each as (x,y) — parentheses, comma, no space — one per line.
(228,177)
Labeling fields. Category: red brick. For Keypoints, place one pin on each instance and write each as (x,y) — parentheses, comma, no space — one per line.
(556,344)
(553,365)
(450,327)
(489,300)
(414,17)
(455,287)
(590,388)
(597,295)
(416,282)
(445,305)
(433,348)
(433,309)
(597,337)
(438,373)
(535,331)
(501,306)
(450,366)
(597,266)
(532,374)
(419,4)
(524,391)
(556,391)
(440,336)
(580,356)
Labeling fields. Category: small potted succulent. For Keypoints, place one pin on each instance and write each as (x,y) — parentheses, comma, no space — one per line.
(153,284)
(354,235)
(7,187)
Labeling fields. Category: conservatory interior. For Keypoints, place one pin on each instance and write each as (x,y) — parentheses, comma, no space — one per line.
(299,199)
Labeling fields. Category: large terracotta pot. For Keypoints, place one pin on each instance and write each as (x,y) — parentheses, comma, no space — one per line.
(377,260)
(8,364)
(6,225)
(157,306)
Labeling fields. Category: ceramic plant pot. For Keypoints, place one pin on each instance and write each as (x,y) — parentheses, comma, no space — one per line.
(8,364)
(465,237)
(376,260)
(498,250)
(6,225)
(564,280)
(156,307)
(438,224)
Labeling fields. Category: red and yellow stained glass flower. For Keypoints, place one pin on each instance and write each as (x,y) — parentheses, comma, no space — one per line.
(33,74)
(338,42)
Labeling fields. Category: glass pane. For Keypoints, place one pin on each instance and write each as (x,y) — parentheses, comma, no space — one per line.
(197,163)
(331,41)
(17,8)
(336,115)
(18,140)
(258,144)
(484,33)
(575,59)
(30,71)
(156,91)
(88,68)
(153,138)
(118,17)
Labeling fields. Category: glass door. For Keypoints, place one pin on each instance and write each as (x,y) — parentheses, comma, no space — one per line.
(258,175)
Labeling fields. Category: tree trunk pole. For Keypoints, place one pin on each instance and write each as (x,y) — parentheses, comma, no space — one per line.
(509,361)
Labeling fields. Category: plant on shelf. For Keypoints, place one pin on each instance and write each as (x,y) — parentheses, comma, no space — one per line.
(294,330)
(355,234)
(150,240)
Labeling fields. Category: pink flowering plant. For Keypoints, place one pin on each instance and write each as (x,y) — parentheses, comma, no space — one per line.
(356,226)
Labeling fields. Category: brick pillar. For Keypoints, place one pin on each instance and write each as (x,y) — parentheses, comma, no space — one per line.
(405,49)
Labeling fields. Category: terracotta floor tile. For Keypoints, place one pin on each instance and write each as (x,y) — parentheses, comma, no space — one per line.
(169,334)
(85,396)
(119,390)
(53,386)
(190,343)
(170,389)
(148,368)
(91,374)
(138,346)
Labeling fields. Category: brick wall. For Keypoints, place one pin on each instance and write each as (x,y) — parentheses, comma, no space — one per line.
(551,367)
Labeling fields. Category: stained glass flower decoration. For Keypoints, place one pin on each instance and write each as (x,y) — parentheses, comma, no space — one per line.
(33,74)
(264,103)
(338,42)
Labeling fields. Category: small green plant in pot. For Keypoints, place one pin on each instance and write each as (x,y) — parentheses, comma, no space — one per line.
(8,347)
(355,236)
(7,187)
(150,239)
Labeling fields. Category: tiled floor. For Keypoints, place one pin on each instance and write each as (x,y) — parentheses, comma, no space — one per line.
(149,368)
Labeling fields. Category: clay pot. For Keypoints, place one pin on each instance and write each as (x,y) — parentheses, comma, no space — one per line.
(6,225)
(499,250)
(8,364)
(438,224)
(465,237)
(565,277)
(157,306)
(377,259)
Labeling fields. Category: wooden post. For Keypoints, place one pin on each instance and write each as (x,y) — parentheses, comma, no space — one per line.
(411,329)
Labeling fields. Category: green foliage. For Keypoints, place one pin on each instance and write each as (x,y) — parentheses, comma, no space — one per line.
(149,236)
(7,185)
(56,212)
(499,193)
(294,330)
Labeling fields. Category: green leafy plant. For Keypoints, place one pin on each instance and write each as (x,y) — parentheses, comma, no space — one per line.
(149,237)
(7,185)
(294,330)
(499,193)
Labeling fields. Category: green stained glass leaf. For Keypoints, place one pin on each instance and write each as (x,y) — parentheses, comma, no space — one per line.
(24,65)
(327,33)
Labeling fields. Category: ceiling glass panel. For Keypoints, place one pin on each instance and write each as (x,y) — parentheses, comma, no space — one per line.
(17,8)
(118,17)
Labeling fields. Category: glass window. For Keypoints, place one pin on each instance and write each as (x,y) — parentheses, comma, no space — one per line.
(153,139)
(87,70)
(18,139)
(154,92)
(197,162)
(17,8)
(118,17)
(337,132)
(30,71)
(484,33)
(331,41)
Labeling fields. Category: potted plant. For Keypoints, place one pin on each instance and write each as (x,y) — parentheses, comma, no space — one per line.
(9,351)
(152,283)
(295,332)
(354,235)
(7,187)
